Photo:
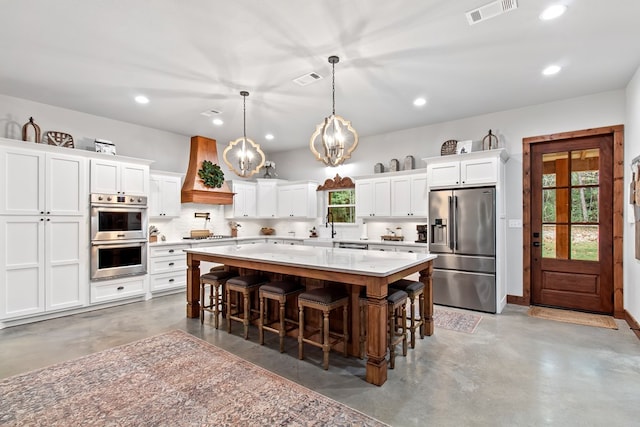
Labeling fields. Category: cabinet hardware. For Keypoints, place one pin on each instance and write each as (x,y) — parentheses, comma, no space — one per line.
(170,251)
(172,280)
(120,288)
(536,244)
(171,264)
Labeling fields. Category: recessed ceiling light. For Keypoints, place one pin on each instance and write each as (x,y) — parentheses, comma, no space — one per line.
(419,102)
(552,12)
(141,99)
(551,70)
(217,122)
(269,136)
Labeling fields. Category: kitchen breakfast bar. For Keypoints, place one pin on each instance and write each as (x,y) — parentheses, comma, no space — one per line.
(356,269)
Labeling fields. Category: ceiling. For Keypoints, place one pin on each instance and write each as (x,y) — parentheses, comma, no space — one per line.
(191,57)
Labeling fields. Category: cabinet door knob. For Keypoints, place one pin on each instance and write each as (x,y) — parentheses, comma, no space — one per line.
(41,219)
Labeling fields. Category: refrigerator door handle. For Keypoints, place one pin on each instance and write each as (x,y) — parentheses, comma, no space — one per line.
(454,224)
(451,224)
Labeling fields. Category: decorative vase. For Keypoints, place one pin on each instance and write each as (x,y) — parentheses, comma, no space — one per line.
(234,232)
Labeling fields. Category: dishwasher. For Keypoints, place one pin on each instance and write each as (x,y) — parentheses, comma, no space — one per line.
(345,245)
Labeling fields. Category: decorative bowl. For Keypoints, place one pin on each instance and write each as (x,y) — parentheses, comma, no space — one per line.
(267,231)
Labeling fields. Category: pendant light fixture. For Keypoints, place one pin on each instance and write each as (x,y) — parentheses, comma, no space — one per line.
(334,139)
(243,156)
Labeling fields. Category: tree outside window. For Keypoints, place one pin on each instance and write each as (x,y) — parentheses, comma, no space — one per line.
(342,205)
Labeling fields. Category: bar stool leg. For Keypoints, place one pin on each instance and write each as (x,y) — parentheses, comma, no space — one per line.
(282,326)
(391,321)
(261,321)
(214,294)
(423,325)
(325,340)
(247,314)
(228,293)
(412,310)
(301,333)
(202,286)
(345,330)
(404,329)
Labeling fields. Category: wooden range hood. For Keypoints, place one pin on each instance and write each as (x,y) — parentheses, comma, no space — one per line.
(193,189)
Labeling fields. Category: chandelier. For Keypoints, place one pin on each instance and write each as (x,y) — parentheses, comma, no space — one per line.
(334,139)
(243,156)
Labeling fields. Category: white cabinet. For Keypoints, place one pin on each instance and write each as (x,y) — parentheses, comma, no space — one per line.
(167,267)
(298,200)
(267,198)
(409,195)
(115,177)
(164,195)
(37,183)
(472,169)
(117,289)
(244,201)
(373,197)
(43,264)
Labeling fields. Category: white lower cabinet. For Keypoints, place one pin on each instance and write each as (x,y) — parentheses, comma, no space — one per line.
(167,267)
(43,264)
(117,289)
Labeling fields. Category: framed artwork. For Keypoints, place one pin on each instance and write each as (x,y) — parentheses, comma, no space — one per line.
(464,147)
(104,146)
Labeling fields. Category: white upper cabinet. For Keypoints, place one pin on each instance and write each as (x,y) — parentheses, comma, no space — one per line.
(298,200)
(373,197)
(114,177)
(37,183)
(471,169)
(244,201)
(164,195)
(409,195)
(267,198)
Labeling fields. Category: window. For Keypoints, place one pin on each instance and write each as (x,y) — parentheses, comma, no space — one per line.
(342,205)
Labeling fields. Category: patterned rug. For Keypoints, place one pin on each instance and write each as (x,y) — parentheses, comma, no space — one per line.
(173,379)
(456,321)
(575,317)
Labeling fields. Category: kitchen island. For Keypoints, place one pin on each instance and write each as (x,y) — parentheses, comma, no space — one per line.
(370,270)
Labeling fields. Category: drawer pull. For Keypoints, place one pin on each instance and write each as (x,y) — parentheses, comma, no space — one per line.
(172,280)
(170,251)
(120,288)
(171,264)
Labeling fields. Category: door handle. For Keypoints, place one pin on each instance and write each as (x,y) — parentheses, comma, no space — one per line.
(536,244)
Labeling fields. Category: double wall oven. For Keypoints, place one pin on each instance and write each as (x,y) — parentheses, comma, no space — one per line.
(118,236)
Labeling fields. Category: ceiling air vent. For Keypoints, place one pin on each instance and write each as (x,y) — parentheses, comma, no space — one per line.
(307,79)
(210,113)
(490,10)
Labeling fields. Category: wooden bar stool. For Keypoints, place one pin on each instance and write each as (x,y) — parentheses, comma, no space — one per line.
(396,323)
(415,290)
(325,300)
(244,286)
(278,291)
(215,278)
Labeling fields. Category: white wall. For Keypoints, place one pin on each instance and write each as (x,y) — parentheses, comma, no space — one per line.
(631,150)
(602,109)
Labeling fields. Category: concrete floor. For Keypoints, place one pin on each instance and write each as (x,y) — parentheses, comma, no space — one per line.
(513,371)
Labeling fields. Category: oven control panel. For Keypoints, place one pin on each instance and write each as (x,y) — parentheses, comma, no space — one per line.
(118,199)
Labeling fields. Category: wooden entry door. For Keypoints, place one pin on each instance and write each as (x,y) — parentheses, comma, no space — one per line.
(572,223)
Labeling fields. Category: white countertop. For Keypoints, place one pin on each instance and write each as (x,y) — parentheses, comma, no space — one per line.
(369,263)
(233,240)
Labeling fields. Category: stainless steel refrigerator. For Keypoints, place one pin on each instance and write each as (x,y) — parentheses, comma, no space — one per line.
(463,235)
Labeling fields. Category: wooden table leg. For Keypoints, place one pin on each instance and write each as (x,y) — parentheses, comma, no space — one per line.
(193,286)
(376,340)
(425,277)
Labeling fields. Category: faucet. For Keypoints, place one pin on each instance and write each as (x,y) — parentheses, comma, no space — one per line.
(330,220)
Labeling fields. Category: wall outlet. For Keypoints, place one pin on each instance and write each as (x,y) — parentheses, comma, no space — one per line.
(515,223)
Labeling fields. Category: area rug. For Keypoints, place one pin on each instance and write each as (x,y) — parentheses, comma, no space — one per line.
(575,317)
(456,321)
(173,379)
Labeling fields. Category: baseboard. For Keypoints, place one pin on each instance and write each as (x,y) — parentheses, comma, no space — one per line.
(512,299)
(633,323)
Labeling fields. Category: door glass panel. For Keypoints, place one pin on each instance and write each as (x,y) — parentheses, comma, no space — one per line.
(585,166)
(584,204)
(550,166)
(548,241)
(549,205)
(584,242)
